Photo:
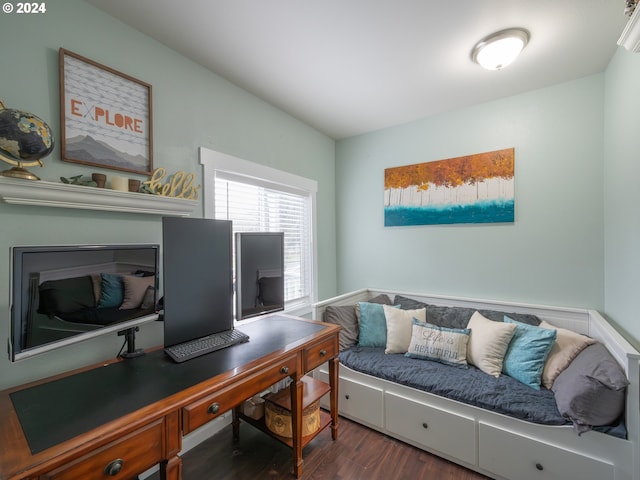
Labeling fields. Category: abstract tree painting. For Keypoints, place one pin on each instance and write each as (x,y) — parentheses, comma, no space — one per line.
(472,189)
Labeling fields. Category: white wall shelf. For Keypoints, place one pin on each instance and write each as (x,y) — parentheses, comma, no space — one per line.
(52,194)
(630,38)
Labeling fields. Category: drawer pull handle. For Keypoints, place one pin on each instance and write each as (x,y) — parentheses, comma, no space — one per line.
(114,467)
(346,397)
(425,425)
(214,408)
(539,466)
(323,353)
(284,369)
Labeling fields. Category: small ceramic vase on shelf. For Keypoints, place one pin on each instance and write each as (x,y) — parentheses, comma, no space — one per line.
(134,185)
(100,179)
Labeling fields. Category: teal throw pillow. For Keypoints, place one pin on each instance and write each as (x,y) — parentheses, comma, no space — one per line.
(112,293)
(373,325)
(527,353)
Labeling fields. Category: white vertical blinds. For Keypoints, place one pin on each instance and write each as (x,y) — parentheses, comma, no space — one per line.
(254,205)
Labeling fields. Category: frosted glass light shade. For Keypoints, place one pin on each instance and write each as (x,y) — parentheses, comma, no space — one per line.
(500,49)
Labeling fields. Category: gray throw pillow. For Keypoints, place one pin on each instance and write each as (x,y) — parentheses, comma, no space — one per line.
(458,317)
(591,390)
(382,299)
(450,317)
(496,316)
(406,303)
(345,316)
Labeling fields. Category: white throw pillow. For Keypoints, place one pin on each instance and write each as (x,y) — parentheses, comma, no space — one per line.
(400,326)
(567,346)
(488,343)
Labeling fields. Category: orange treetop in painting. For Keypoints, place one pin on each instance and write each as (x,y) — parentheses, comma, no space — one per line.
(452,172)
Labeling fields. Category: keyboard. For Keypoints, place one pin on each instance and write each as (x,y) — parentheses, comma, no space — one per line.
(201,346)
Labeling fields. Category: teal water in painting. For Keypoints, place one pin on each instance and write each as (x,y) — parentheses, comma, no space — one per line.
(487,211)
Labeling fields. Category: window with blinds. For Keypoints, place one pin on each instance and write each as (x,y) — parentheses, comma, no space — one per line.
(255,205)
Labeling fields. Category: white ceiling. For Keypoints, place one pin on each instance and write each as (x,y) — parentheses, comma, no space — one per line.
(348,67)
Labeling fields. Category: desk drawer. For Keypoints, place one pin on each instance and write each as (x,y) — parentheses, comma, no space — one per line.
(207,408)
(319,353)
(120,459)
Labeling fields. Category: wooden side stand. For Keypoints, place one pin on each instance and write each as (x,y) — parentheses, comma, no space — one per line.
(312,391)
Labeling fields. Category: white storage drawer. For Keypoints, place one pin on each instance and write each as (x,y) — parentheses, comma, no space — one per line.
(438,430)
(356,400)
(518,457)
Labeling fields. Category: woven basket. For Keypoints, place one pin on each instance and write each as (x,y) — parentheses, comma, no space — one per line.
(278,419)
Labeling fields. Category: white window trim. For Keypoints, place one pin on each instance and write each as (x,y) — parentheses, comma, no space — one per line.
(213,161)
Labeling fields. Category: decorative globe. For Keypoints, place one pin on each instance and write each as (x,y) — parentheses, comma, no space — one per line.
(24,140)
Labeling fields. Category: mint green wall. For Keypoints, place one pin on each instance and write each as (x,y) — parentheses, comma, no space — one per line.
(622,193)
(552,254)
(191,108)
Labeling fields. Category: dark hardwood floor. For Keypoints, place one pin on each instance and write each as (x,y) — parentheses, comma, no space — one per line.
(359,453)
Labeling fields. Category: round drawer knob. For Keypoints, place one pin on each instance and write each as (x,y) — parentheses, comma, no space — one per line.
(323,353)
(114,467)
(284,369)
(425,425)
(539,466)
(214,408)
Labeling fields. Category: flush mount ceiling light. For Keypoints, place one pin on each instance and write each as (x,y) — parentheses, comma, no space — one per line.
(499,49)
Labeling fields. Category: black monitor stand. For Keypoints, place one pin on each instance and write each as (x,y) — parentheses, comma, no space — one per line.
(130,339)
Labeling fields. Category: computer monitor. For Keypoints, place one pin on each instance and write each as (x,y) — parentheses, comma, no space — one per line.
(198,281)
(64,294)
(259,273)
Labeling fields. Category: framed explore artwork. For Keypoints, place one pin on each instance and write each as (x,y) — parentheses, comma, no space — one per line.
(106,116)
(473,189)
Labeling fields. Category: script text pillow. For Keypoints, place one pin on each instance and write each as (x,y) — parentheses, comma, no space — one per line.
(399,327)
(488,343)
(440,344)
(527,353)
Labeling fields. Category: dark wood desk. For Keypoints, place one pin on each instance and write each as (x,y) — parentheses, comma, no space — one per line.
(118,419)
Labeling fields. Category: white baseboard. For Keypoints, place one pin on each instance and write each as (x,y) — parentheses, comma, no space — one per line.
(196,437)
